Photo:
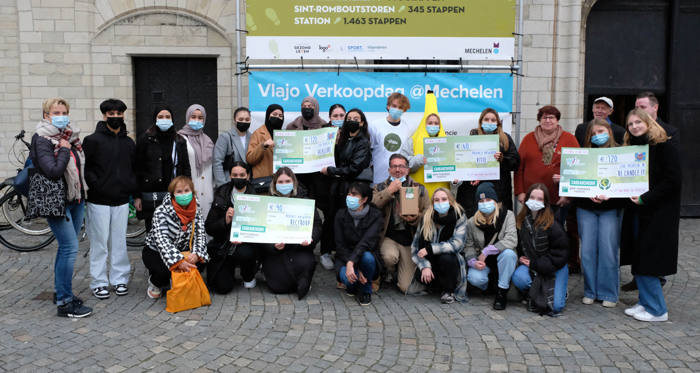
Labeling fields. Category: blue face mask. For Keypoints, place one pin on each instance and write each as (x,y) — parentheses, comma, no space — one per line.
(403,179)
(600,139)
(442,207)
(164,124)
(487,207)
(337,122)
(432,130)
(60,122)
(196,125)
(285,189)
(352,202)
(395,113)
(489,127)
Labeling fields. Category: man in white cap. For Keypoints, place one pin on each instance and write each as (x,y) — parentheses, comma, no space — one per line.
(602,108)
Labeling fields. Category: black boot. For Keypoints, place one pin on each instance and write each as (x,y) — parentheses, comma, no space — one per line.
(499,304)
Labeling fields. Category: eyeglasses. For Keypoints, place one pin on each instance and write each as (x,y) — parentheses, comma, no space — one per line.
(398,167)
(550,118)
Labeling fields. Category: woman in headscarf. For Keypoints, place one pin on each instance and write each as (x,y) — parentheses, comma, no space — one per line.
(309,119)
(200,149)
(260,149)
(412,149)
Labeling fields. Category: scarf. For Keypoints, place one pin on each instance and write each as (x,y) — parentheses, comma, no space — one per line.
(641,140)
(358,215)
(302,124)
(74,177)
(186,214)
(493,229)
(448,223)
(201,143)
(535,244)
(269,111)
(547,143)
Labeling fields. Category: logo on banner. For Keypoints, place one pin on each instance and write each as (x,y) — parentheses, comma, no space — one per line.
(640,156)
(354,48)
(282,142)
(495,47)
(574,162)
(325,48)
(302,48)
(435,150)
(244,208)
(392,142)
(604,184)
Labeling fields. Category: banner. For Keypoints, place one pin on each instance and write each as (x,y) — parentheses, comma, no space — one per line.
(305,151)
(612,172)
(264,219)
(461,96)
(464,158)
(343,29)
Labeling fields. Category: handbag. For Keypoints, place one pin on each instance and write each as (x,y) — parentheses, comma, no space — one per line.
(47,198)
(151,200)
(188,290)
(262,184)
(21,183)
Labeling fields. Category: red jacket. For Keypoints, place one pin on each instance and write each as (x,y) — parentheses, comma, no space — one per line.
(532,170)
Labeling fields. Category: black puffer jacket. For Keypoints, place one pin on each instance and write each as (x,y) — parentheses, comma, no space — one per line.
(49,164)
(548,250)
(109,166)
(149,165)
(352,242)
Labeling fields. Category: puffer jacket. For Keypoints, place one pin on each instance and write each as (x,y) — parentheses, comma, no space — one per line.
(149,165)
(50,164)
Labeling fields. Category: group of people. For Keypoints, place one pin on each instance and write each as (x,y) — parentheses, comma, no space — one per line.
(464,239)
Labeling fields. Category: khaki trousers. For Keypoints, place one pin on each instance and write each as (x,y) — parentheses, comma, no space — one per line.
(398,258)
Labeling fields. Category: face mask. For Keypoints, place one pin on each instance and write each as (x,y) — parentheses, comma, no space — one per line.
(487,207)
(239,183)
(352,202)
(489,127)
(285,189)
(164,124)
(432,130)
(183,199)
(395,113)
(115,122)
(534,205)
(337,122)
(307,113)
(243,126)
(351,126)
(600,139)
(403,179)
(60,122)
(196,125)
(276,123)
(442,207)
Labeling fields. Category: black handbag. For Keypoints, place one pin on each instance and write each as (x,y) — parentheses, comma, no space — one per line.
(262,184)
(151,200)
(47,198)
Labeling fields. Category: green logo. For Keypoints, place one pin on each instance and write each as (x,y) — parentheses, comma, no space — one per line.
(235,234)
(565,189)
(292,160)
(588,183)
(392,142)
(443,168)
(604,184)
(430,176)
(252,228)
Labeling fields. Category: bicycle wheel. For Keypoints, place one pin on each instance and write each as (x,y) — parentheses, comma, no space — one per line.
(28,234)
(135,229)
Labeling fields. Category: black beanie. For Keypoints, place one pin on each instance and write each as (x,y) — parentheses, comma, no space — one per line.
(485,190)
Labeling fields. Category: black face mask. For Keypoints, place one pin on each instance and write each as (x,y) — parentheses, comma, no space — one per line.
(276,123)
(115,122)
(307,113)
(351,126)
(242,126)
(239,183)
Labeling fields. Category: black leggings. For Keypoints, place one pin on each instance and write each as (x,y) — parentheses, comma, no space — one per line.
(160,273)
(245,257)
(445,269)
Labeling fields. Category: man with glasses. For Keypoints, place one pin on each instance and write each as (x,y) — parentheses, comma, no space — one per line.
(399,229)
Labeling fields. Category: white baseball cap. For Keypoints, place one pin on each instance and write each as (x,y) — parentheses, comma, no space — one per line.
(604,99)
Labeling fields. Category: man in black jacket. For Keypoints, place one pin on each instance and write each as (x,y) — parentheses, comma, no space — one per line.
(648,102)
(602,108)
(109,160)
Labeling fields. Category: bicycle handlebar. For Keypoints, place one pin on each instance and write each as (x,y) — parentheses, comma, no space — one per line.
(21,135)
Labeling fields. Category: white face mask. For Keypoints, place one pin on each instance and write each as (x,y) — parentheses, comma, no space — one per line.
(534,205)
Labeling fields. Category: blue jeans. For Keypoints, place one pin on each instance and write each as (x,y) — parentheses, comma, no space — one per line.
(600,252)
(651,296)
(66,230)
(507,260)
(367,265)
(522,280)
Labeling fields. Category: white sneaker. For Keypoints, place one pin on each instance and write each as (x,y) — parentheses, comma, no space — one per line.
(101,292)
(153,291)
(607,304)
(327,262)
(646,316)
(586,300)
(634,310)
(249,285)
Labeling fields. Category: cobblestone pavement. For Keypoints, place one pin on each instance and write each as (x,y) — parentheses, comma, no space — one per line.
(250,331)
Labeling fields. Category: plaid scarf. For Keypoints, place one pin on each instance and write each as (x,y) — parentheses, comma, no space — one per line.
(74,177)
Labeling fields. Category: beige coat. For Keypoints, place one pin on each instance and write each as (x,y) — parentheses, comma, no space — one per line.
(507,237)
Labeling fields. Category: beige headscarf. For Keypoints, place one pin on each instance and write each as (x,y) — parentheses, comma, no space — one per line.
(201,143)
(312,124)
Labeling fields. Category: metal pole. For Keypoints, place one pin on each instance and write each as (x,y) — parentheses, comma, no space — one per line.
(518,86)
(387,66)
(239,84)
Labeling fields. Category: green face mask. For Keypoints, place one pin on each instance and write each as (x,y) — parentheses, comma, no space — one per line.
(183,199)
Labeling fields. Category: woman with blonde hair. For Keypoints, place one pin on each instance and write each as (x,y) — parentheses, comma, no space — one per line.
(491,242)
(649,238)
(437,248)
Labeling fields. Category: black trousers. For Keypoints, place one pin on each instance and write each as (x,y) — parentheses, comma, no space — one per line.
(445,270)
(289,277)
(245,257)
(160,273)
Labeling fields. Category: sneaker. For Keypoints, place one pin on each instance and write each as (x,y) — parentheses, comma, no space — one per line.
(637,308)
(153,291)
(74,308)
(351,293)
(388,279)
(375,285)
(646,316)
(101,292)
(249,284)
(75,298)
(327,262)
(587,300)
(447,298)
(365,299)
(607,304)
(121,289)
(341,285)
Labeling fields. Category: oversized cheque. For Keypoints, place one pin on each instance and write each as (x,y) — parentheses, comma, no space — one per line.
(461,158)
(265,219)
(305,151)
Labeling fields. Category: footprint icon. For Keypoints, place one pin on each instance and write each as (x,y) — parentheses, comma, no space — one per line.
(272,15)
(402,8)
(274,48)
(250,24)
(336,21)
